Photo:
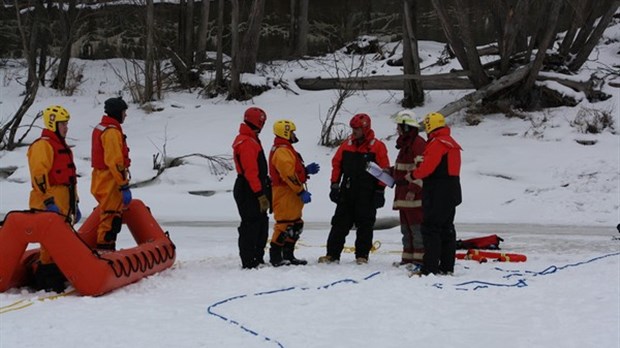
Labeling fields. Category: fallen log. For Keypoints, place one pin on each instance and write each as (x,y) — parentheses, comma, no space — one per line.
(446,81)
(488,90)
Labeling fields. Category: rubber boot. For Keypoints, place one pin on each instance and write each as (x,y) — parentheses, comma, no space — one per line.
(275,255)
(288,253)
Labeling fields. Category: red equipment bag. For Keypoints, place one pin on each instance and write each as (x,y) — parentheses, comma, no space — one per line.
(488,242)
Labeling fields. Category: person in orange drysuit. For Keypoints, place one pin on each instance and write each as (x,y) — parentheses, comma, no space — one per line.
(356,192)
(54,187)
(440,170)
(289,176)
(110,177)
(408,192)
(252,190)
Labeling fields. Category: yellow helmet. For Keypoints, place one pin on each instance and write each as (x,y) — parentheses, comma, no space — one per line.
(53,115)
(433,121)
(406,117)
(284,129)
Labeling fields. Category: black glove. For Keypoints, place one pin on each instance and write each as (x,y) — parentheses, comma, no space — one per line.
(379,198)
(334,193)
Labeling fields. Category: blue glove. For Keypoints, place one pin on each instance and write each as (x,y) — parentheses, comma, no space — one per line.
(126,195)
(52,207)
(305,196)
(313,168)
(78,214)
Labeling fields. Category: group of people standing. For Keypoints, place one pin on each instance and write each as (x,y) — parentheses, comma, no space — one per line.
(54,180)
(426,177)
(427,191)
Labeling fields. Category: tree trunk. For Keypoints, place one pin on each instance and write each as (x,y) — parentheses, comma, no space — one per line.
(413,92)
(203,32)
(249,54)
(478,75)
(448,81)
(586,49)
(68,19)
(488,90)
(188,51)
(149,56)
(452,36)
(234,90)
(301,29)
(512,25)
(577,10)
(545,42)
(586,28)
(219,58)
(29,45)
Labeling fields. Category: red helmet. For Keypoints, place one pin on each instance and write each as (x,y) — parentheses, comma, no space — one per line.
(255,117)
(360,121)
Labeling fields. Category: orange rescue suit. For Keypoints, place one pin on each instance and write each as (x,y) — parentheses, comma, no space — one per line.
(53,175)
(288,175)
(110,162)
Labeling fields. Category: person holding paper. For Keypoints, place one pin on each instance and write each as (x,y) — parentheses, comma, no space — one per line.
(356,192)
(408,191)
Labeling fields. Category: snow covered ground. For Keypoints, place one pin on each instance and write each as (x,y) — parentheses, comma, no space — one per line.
(529,181)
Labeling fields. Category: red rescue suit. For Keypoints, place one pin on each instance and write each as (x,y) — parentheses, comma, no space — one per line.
(408,194)
(440,171)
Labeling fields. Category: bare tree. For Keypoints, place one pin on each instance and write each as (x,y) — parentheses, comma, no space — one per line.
(30,43)
(203,32)
(69,19)
(299,27)
(594,37)
(250,44)
(219,64)
(553,14)
(149,59)
(413,91)
(234,90)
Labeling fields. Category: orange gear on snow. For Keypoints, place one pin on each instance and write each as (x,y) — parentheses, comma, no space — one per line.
(89,273)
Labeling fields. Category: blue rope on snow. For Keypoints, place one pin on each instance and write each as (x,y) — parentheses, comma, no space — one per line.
(522,282)
(271,292)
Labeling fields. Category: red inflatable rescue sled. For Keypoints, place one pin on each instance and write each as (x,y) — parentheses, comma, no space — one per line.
(89,272)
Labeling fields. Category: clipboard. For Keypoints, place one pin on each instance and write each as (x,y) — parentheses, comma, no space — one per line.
(378,173)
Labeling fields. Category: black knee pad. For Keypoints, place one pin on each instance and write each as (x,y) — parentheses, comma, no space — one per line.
(117,223)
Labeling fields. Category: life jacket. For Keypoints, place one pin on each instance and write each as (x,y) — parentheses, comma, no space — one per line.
(63,170)
(300,170)
(97,154)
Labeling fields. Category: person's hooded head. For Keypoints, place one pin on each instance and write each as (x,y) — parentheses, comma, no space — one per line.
(255,118)
(115,107)
(360,124)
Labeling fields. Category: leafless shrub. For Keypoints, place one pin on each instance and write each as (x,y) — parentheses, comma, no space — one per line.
(594,121)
